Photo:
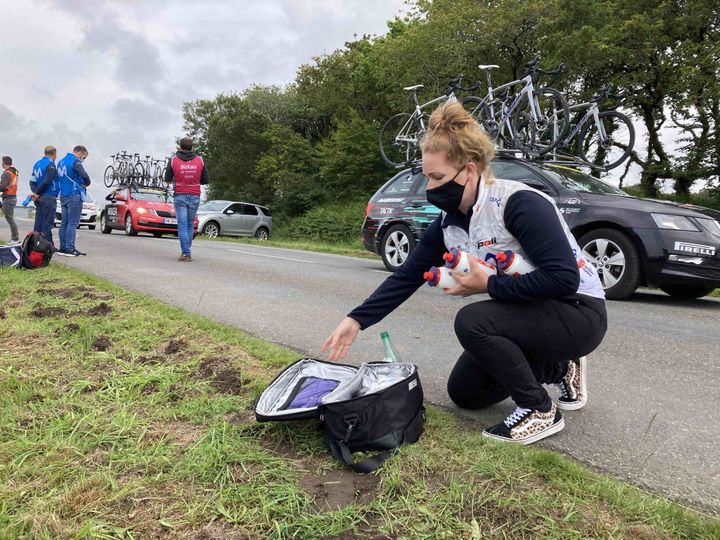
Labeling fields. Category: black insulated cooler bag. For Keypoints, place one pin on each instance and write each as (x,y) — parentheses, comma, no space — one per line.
(376,407)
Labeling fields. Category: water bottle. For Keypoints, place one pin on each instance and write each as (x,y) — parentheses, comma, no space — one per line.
(27,200)
(390,352)
(439,277)
(459,262)
(513,264)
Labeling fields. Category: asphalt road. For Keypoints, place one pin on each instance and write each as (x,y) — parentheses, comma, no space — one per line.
(652,416)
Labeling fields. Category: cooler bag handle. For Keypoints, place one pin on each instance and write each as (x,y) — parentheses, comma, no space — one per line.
(341,451)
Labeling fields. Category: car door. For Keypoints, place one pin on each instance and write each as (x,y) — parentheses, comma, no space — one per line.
(251,216)
(111,208)
(232,219)
(421,211)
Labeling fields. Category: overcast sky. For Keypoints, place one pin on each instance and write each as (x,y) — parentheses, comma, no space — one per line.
(113,74)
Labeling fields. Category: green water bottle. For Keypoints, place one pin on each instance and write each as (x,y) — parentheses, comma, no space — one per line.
(390,352)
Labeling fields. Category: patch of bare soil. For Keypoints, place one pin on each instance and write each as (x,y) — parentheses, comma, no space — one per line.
(101,309)
(101,343)
(72,327)
(184,433)
(216,531)
(150,359)
(337,489)
(42,312)
(71,292)
(3,315)
(175,346)
(223,378)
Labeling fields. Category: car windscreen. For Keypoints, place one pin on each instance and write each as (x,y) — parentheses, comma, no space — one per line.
(150,196)
(212,206)
(578,181)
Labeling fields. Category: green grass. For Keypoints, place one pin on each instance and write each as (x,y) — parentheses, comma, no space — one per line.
(122,417)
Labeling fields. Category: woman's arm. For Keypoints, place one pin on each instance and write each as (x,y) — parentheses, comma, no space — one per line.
(534,221)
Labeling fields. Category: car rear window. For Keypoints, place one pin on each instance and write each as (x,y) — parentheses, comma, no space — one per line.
(506,170)
(265,211)
(401,185)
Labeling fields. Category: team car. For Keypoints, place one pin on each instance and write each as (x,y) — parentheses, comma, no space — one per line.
(630,241)
(88,216)
(136,209)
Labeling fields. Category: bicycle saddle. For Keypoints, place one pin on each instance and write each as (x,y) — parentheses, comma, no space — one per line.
(414,87)
(489,66)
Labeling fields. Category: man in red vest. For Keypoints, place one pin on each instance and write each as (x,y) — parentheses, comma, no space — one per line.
(8,188)
(188,171)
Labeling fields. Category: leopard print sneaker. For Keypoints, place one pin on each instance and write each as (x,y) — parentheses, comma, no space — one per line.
(527,426)
(573,387)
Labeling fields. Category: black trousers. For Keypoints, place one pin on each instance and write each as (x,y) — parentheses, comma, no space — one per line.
(512,349)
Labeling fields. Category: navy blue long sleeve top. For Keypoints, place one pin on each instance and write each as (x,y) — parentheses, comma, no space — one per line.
(530,218)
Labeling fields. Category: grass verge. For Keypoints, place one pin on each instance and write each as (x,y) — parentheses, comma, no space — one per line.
(122,417)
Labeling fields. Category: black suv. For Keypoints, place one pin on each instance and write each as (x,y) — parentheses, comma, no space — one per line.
(630,241)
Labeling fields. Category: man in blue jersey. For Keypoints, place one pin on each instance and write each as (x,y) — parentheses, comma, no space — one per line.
(73,182)
(45,187)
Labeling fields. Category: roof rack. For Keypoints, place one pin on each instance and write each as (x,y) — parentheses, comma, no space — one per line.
(552,158)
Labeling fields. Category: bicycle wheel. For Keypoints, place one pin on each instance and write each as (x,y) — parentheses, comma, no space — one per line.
(480,111)
(400,139)
(614,148)
(542,133)
(109,176)
(139,174)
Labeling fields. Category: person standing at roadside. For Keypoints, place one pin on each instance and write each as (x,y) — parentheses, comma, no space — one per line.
(45,187)
(187,170)
(8,187)
(73,182)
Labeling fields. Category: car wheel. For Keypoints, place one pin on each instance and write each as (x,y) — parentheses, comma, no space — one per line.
(104,228)
(211,229)
(91,227)
(616,259)
(129,228)
(262,234)
(687,291)
(397,245)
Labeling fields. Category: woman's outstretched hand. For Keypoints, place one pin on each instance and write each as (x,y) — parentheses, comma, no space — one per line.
(339,341)
(474,282)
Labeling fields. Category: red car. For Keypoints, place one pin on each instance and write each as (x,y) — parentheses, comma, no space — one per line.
(135,209)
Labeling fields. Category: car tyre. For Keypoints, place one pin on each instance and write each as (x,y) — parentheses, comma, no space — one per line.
(262,233)
(211,229)
(104,227)
(616,258)
(397,245)
(91,227)
(687,292)
(129,228)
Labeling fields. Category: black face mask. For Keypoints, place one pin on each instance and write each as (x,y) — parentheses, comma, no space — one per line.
(448,196)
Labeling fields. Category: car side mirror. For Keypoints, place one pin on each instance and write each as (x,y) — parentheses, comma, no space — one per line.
(119,198)
(228,212)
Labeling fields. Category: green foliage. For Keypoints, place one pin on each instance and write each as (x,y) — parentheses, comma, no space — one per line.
(317,137)
(351,165)
(337,222)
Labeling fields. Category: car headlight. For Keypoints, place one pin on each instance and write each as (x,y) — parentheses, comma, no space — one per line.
(710,225)
(676,223)
(142,210)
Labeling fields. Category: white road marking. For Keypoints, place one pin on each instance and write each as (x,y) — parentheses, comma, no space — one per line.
(382,271)
(272,256)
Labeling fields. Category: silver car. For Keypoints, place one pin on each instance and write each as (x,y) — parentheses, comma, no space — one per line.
(234,218)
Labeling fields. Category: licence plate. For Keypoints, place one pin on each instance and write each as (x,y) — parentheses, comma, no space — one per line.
(170,221)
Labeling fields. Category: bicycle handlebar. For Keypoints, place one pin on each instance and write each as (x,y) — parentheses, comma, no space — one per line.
(455,83)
